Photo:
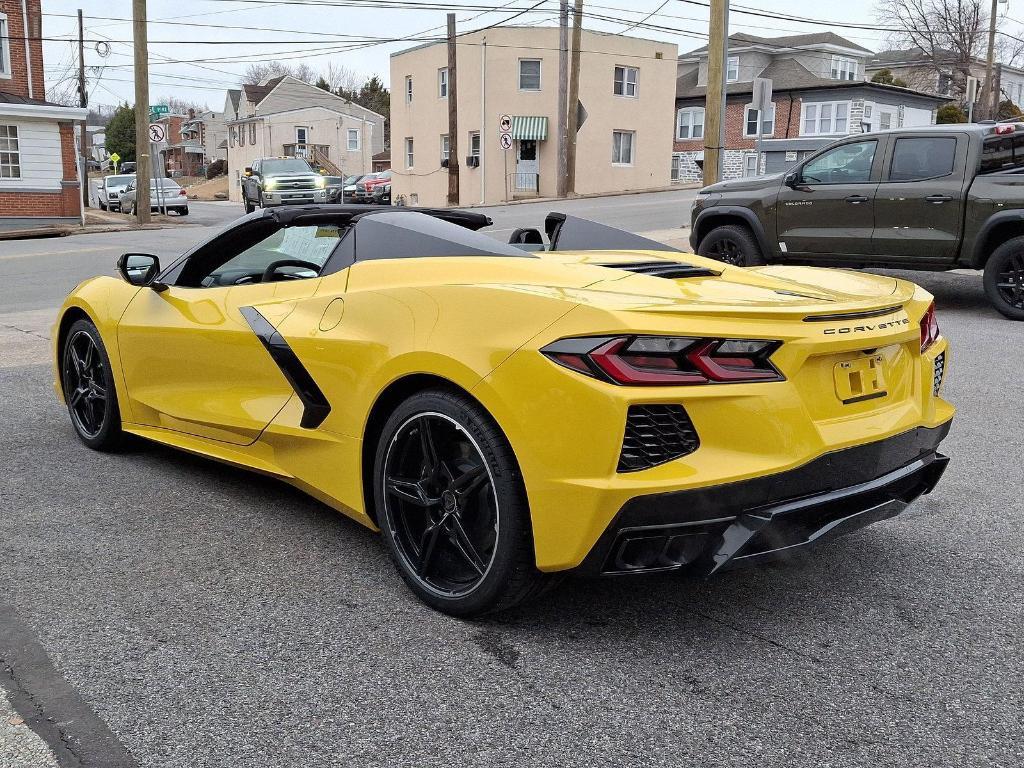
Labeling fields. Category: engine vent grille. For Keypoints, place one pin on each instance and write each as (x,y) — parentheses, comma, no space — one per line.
(656,434)
(939,372)
(667,269)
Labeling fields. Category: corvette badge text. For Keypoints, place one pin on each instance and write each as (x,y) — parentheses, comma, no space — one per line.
(866,328)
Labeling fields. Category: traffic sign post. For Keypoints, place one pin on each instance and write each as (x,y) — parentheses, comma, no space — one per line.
(115,159)
(504,124)
(505,141)
(159,109)
(157,133)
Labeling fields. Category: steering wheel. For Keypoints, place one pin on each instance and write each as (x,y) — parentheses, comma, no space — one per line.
(276,265)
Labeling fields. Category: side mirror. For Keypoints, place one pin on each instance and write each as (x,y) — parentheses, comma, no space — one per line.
(248,171)
(141,269)
(791,179)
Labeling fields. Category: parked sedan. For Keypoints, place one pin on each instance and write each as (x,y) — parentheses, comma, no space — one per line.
(165,198)
(110,189)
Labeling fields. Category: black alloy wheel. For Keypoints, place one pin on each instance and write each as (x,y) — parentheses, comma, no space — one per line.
(1004,278)
(451,506)
(441,503)
(89,387)
(732,244)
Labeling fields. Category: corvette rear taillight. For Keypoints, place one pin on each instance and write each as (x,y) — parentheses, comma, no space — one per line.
(667,360)
(929,328)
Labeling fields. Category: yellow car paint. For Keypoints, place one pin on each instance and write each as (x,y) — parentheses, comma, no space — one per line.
(190,373)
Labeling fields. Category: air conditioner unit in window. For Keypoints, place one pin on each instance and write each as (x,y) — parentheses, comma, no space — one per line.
(473,161)
(444,163)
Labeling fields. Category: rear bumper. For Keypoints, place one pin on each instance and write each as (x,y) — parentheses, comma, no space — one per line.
(707,530)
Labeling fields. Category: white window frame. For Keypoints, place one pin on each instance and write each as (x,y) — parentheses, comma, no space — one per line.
(732,69)
(352,132)
(813,112)
(844,68)
(675,172)
(474,137)
(746,165)
(691,113)
(408,89)
(410,155)
(540,75)
(446,147)
(6,73)
(618,162)
(442,83)
(305,134)
(761,123)
(10,152)
(621,87)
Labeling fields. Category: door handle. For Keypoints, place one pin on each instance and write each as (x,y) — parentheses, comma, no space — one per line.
(857,199)
(937,199)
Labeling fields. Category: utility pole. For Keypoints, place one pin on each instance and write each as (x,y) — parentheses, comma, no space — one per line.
(574,100)
(714,112)
(83,101)
(989,96)
(453,116)
(563,96)
(142,159)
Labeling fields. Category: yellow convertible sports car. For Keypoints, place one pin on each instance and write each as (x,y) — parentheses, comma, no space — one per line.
(587,401)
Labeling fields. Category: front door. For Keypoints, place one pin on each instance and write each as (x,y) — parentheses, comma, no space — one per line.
(527,165)
(920,201)
(829,211)
(193,361)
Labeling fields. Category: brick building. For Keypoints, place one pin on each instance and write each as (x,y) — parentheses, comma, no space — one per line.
(819,95)
(38,156)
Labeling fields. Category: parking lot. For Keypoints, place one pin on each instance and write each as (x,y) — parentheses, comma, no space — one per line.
(158,609)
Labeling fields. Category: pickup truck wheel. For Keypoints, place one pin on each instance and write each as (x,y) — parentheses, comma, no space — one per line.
(259,201)
(249,207)
(1004,278)
(732,244)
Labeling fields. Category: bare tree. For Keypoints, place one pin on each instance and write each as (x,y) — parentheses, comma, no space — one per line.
(341,79)
(949,33)
(256,73)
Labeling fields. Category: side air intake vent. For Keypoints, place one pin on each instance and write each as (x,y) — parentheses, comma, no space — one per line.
(939,372)
(656,434)
(666,269)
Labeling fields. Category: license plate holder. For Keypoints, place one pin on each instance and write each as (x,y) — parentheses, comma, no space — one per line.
(860,379)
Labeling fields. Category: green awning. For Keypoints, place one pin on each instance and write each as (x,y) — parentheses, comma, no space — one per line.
(530,127)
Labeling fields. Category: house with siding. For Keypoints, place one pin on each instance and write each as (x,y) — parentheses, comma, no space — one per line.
(945,73)
(819,94)
(38,152)
(285,117)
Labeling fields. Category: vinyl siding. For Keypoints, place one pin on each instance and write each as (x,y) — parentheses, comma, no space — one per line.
(39,145)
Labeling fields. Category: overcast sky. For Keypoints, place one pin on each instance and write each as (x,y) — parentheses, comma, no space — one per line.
(318,35)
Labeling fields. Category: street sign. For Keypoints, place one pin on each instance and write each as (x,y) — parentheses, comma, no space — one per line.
(762,94)
(504,123)
(505,140)
(157,133)
(159,109)
(581,115)
(115,159)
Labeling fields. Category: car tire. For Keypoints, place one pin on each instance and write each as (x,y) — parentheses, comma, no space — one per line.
(1004,278)
(89,392)
(249,207)
(133,211)
(259,200)
(183,211)
(452,508)
(103,206)
(733,244)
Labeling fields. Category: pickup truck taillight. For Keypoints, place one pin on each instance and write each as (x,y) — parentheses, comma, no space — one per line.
(929,328)
(667,360)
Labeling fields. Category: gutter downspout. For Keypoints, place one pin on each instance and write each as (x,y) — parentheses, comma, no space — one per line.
(28,47)
(483,118)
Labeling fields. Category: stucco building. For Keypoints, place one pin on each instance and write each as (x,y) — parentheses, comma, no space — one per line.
(38,155)
(626,93)
(284,116)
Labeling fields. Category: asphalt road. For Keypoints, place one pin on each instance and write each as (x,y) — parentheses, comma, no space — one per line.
(167,611)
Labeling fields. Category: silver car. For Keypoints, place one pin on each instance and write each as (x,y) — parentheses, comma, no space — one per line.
(165,198)
(110,189)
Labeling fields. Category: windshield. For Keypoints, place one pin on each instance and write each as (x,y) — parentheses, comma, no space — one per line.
(118,181)
(352,179)
(290,165)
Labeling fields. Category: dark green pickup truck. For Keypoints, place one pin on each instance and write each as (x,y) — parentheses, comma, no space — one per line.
(936,198)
